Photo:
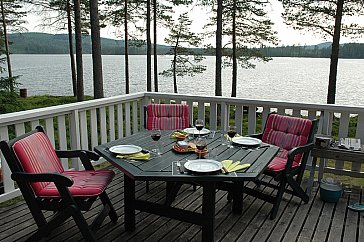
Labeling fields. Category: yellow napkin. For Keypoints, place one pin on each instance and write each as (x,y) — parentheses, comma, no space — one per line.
(136,156)
(231,166)
(228,137)
(178,132)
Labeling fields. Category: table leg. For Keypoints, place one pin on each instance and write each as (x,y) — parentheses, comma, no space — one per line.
(312,176)
(208,211)
(238,197)
(129,202)
(321,168)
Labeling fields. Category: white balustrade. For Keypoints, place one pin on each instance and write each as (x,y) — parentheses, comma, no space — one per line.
(87,124)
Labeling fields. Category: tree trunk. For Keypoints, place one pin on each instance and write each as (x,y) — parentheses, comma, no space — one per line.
(6,42)
(174,68)
(149,52)
(78,36)
(96,50)
(234,80)
(70,43)
(335,53)
(155,57)
(218,88)
(126,47)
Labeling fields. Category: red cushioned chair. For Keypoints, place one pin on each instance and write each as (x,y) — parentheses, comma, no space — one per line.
(166,116)
(45,185)
(295,138)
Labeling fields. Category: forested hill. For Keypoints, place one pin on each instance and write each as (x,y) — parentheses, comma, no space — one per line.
(41,43)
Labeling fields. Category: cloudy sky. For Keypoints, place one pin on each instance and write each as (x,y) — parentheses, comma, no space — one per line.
(287,35)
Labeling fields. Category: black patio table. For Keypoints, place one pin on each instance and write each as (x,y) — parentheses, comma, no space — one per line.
(163,168)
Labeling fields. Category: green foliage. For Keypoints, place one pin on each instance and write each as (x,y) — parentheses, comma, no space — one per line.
(319,16)
(9,103)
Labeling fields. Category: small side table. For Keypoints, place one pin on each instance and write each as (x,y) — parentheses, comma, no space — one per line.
(334,153)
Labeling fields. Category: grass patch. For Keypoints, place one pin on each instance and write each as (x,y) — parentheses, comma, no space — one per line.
(11,202)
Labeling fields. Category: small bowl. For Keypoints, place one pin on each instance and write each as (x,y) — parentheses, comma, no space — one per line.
(201,153)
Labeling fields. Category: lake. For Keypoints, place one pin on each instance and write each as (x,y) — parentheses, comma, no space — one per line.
(282,79)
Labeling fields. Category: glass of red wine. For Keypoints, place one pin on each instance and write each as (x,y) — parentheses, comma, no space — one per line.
(156,135)
(199,124)
(231,133)
(201,144)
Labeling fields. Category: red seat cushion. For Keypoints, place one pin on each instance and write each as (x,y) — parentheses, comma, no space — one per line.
(85,184)
(167,116)
(286,132)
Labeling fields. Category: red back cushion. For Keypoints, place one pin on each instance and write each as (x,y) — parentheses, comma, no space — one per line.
(36,155)
(167,116)
(287,132)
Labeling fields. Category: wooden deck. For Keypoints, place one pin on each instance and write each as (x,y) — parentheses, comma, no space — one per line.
(315,221)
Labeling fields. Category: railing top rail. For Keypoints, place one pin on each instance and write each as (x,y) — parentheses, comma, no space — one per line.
(65,108)
(262,103)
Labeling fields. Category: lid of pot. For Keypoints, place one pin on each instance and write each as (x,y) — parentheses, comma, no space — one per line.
(330,184)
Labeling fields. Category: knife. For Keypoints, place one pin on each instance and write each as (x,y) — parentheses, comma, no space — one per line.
(179,167)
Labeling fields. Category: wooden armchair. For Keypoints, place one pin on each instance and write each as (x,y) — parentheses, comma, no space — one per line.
(294,136)
(45,185)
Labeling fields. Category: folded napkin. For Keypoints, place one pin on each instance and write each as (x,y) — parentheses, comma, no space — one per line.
(228,137)
(178,133)
(231,166)
(136,156)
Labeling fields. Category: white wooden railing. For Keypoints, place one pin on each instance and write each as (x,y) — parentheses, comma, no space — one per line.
(85,125)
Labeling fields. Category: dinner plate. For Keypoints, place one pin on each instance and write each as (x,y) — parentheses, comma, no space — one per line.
(194,131)
(246,141)
(203,165)
(125,149)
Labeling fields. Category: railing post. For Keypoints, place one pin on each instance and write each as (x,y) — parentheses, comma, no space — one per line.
(7,181)
(224,116)
(74,123)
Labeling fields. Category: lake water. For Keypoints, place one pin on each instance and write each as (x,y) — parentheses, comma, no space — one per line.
(282,79)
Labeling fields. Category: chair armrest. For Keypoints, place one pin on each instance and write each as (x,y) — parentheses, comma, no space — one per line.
(300,149)
(42,177)
(84,155)
(295,151)
(258,136)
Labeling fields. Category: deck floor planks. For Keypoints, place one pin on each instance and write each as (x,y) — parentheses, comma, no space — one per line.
(338,220)
(252,225)
(323,226)
(350,230)
(299,218)
(309,226)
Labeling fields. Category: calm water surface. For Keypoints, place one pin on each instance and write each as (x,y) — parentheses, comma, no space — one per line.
(282,79)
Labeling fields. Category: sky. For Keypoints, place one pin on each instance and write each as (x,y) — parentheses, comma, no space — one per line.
(286,34)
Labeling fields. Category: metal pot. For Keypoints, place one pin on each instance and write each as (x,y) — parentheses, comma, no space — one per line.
(330,190)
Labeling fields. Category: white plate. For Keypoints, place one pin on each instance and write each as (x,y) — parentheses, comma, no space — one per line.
(202,165)
(194,131)
(246,141)
(125,149)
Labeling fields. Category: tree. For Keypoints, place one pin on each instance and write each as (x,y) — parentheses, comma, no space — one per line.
(96,50)
(11,17)
(325,17)
(249,27)
(182,64)
(79,63)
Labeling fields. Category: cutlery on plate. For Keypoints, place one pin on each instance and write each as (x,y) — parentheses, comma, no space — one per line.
(180,168)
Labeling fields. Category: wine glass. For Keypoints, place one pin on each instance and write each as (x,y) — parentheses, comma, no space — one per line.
(231,133)
(199,124)
(201,144)
(156,135)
